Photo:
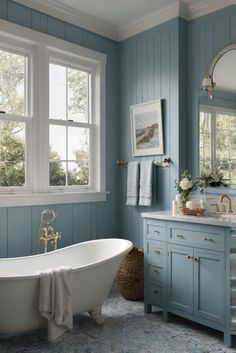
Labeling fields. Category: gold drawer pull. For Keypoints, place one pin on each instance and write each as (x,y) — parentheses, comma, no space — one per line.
(156,231)
(180,236)
(208,239)
(157,251)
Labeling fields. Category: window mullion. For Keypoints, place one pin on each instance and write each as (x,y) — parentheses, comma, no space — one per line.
(69,123)
(43,121)
(66,127)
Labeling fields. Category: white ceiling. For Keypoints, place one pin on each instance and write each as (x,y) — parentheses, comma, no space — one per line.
(119,13)
(120,19)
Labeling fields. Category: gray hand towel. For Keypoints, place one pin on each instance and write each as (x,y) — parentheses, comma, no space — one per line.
(145,190)
(132,183)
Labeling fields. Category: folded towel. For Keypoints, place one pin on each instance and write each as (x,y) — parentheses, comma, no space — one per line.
(55,301)
(132,183)
(145,190)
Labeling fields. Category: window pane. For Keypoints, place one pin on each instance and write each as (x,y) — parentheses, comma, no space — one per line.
(233,172)
(13,83)
(78,173)
(57,173)
(233,145)
(57,92)
(222,121)
(78,143)
(225,169)
(12,153)
(205,122)
(78,151)
(57,142)
(78,95)
(68,93)
(222,144)
(205,165)
(205,146)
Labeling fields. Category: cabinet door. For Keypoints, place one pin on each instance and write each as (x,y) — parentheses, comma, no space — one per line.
(209,285)
(180,278)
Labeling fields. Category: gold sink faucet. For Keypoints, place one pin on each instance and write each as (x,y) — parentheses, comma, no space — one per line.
(224,196)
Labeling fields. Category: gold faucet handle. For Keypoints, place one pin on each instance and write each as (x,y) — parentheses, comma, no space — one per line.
(57,235)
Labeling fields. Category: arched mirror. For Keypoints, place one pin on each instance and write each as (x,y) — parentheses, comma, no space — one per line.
(217,120)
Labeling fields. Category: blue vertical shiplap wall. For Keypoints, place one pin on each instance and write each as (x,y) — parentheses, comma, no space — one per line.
(153,67)
(206,36)
(77,222)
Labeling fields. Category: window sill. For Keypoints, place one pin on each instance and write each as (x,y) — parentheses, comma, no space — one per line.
(11,200)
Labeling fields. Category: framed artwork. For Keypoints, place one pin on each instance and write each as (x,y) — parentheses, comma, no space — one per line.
(146,128)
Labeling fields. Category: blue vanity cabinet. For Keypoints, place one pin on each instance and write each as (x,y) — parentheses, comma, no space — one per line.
(180,278)
(196,283)
(194,276)
(155,273)
(209,286)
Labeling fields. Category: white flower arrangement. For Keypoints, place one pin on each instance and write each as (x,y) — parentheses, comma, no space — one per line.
(186,185)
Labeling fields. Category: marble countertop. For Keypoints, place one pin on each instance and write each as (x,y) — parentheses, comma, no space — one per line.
(216,220)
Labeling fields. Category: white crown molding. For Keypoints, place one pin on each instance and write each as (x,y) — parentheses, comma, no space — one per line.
(204,7)
(93,24)
(77,18)
(153,20)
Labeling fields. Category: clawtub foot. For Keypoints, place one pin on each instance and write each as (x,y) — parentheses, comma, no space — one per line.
(97,316)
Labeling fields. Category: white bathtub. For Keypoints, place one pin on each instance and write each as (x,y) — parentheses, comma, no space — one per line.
(94,265)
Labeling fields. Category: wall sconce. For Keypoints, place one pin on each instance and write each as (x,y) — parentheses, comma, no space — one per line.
(208,85)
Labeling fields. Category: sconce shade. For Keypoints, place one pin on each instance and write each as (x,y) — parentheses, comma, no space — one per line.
(207,84)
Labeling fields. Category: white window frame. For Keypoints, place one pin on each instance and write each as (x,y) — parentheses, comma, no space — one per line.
(92,125)
(41,49)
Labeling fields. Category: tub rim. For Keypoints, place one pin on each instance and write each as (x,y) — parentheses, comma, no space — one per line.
(74,269)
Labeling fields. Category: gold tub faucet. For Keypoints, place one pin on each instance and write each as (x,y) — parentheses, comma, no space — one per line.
(46,232)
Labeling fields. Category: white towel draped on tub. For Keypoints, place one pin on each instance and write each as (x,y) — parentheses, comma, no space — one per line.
(55,300)
(145,191)
(132,183)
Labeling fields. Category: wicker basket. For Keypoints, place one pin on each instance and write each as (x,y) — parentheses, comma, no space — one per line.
(191,212)
(130,277)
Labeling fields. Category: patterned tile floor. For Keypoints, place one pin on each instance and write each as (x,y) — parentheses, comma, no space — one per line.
(126,330)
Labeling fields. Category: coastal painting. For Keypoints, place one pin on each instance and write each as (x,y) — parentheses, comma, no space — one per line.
(147,134)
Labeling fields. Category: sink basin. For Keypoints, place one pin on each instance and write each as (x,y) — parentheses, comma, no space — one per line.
(224,216)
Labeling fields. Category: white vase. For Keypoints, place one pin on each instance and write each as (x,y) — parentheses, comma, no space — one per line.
(179,200)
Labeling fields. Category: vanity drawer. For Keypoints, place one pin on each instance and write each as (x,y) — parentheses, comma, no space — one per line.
(156,274)
(156,295)
(212,239)
(156,250)
(155,230)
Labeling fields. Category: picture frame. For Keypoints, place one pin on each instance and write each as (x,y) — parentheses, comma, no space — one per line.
(147,129)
